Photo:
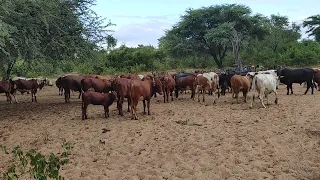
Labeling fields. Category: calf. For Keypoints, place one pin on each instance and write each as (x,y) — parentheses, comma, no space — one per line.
(264,84)
(290,76)
(240,83)
(168,84)
(207,81)
(145,89)
(96,98)
(5,87)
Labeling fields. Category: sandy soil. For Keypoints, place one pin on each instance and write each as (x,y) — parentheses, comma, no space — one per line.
(221,141)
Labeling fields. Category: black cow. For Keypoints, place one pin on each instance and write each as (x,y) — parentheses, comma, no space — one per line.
(290,76)
(225,82)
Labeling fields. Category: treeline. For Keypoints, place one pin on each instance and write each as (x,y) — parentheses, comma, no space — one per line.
(40,38)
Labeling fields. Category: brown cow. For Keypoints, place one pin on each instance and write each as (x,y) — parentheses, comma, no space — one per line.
(207,81)
(99,85)
(168,85)
(5,87)
(122,87)
(97,98)
(71,82)
(183,83)
(31,84)
(130,76)
(240,83)
(145,88)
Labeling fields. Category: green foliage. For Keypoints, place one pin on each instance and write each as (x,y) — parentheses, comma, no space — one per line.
(40,166)
(313,25)
(209,31)
(50,38)
(51,30)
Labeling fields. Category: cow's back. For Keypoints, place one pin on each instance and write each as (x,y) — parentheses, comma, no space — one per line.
(296,75)
(122,87)
(72,82)
(238,81)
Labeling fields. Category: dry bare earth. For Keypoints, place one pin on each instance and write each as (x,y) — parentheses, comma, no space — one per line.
(222,141)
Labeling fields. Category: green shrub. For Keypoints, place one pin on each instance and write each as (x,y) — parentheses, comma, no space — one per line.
(39,166)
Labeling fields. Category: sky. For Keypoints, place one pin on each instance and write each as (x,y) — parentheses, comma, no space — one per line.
(144,22)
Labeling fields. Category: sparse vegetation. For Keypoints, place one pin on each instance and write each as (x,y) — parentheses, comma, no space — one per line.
(38,165)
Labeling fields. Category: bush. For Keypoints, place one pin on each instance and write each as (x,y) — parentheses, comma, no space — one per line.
(40,166)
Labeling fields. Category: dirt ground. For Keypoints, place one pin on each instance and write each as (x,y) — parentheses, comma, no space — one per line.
(221,141)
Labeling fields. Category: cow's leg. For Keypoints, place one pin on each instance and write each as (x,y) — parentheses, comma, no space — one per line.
(171,94)
(198,92)
(203,93)
(106,111)
(66,95)
(32,95)
(129,103)
(35,96)
(251,104)
(120,106)
(291,88)
(245,93)
(214,96)
(167,94)
(276,94)
(164,94)
(14,94)
(84,110)
(267,96)
(309,85)
(148,106)
(134,103)
(261,97)
(176,93)
(288,88)
(144,106)
(80,94)
(193,93)
(9,99)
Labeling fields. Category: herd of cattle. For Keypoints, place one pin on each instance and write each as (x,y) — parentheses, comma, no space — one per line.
(104,90)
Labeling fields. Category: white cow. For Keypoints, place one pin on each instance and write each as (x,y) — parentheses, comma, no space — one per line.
(273,72)
(264,84)
(212,79)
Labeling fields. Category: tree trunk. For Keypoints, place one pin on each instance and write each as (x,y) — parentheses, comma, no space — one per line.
(236,43)
(9,70)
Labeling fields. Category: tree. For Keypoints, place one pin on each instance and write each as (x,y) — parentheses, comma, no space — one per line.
(211,31)
(52,30)
(313,25)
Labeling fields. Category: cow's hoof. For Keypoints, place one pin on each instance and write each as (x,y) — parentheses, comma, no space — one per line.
(276,101)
